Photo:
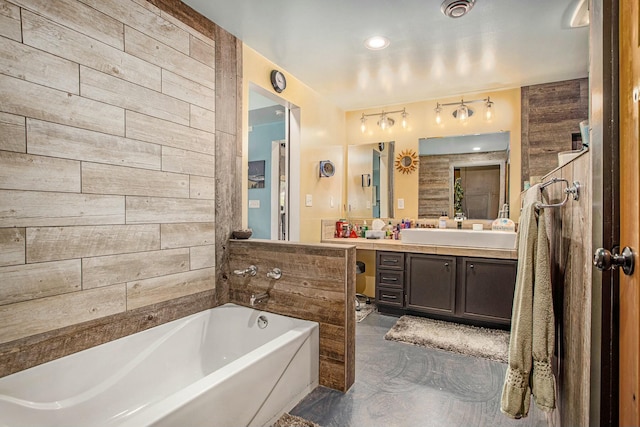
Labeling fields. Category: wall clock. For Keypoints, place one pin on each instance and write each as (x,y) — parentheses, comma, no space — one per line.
(278,81)
(407,161)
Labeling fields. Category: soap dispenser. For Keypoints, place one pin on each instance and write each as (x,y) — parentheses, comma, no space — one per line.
(458,219)
(442,222)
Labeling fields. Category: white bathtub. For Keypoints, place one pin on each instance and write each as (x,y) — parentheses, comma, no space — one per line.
(213,368)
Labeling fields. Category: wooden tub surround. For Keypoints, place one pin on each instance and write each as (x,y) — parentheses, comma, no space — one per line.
(317,283)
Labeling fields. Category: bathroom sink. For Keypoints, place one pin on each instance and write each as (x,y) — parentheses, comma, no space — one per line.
(455,237)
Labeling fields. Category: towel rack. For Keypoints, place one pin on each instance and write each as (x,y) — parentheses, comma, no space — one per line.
(574,190)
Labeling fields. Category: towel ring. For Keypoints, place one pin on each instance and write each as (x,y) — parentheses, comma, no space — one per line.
(574,190)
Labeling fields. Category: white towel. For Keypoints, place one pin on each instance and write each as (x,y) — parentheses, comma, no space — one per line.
(532,321)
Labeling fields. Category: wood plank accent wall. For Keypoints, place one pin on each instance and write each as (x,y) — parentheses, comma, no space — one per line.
(571,270)
(435,176)
(551,112)
(317,283)
(119,162)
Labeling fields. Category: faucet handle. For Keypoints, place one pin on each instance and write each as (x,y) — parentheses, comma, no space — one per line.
(276,273)
(252,270)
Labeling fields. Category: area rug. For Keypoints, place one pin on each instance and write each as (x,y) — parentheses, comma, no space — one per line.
(365,310)
(492,344)
(288,420)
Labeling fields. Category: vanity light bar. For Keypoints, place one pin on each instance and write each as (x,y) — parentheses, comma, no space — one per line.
(463,112)
(385,121)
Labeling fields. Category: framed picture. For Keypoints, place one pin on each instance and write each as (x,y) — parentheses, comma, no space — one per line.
(256,174)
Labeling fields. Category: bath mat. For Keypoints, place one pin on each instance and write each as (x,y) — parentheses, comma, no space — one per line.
(365,310)
(288,420)
(492,344)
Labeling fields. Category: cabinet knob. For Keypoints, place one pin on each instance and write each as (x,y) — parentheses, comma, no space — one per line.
(471,266)
(446,264)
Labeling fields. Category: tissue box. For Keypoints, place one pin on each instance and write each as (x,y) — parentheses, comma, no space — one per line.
(503,224)
(374,234)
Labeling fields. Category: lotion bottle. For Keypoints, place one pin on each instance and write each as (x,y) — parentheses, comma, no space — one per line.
(442,222)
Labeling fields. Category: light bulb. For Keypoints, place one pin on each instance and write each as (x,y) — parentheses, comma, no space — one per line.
(363,124)
(488,111)
(404,120)
(438,117)
(463,112)
(383,122)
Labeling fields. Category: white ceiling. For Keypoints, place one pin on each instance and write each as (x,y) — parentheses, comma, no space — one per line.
(499,44)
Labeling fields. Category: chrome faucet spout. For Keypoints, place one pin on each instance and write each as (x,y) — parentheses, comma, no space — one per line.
(258,298)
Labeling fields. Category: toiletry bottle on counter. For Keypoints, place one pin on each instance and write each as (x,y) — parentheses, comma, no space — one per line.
(442,222)
(388,231)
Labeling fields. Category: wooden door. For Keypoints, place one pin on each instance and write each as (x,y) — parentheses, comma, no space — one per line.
(629,375)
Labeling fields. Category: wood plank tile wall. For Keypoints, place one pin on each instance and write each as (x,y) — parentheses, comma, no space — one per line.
(571,270)
(551,112)
(113,128)
(317,283)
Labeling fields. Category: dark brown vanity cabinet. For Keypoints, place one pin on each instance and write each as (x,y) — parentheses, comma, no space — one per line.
(390,279)
(432,280)
(486,291)
(479,290)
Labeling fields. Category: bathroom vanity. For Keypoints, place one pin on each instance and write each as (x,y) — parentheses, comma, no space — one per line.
(459,288)
(465,284)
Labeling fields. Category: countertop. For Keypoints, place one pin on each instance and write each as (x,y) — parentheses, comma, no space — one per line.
(398,246)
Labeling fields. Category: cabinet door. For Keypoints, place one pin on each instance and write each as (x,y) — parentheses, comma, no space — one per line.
(487,289)
(431,283)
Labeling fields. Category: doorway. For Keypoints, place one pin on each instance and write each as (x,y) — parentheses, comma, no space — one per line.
(273,124)
(481,186)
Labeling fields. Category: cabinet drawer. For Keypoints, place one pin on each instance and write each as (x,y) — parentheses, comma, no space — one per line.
(391,297)
(390,278)
(391,260)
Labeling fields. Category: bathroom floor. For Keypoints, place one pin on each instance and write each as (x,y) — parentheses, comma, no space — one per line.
(403,385)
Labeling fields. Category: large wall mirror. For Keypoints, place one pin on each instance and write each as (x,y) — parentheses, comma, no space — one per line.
(370,180)
(467,174)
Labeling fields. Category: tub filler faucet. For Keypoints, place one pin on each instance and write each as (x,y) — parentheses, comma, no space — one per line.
(252,270)
(258,298)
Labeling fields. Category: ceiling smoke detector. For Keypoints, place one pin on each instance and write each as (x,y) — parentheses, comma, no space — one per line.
(456,8)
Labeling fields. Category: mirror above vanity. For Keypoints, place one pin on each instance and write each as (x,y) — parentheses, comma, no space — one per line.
(465,174)
(370,182)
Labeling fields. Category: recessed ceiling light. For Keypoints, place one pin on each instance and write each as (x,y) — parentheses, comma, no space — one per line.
(376,42)
(476,148)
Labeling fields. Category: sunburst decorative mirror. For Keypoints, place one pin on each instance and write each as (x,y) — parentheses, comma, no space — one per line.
(407,161)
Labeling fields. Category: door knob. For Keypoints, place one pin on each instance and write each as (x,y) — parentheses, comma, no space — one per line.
(605,260)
